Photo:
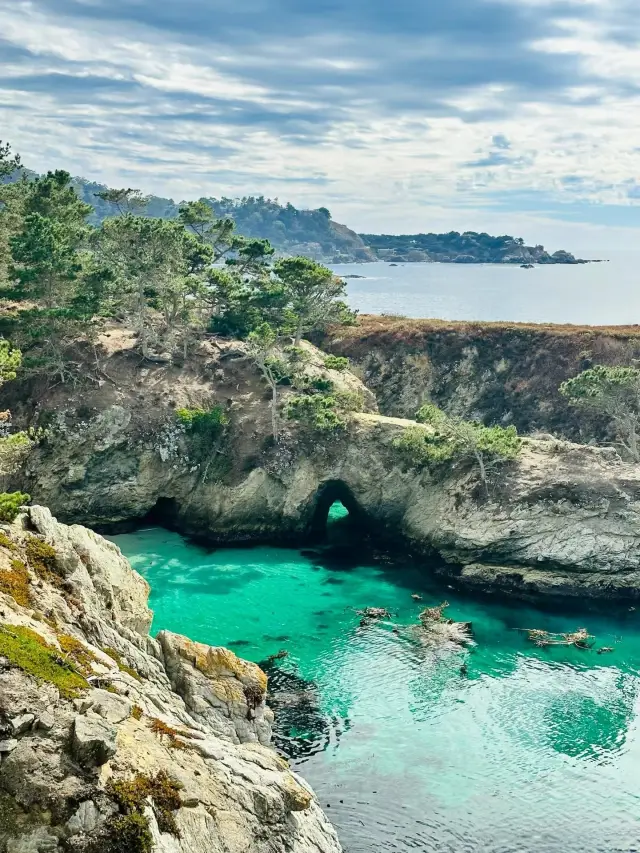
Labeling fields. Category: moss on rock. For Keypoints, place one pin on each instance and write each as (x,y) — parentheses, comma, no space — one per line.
(27,650)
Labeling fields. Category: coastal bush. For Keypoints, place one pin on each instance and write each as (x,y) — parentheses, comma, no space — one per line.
(42,559)
(30,652)
(336,362)
(10,504)
(318,411)
(15,582)
(163,791)
(448,438)
(125,834)
(615,393)
(207,422)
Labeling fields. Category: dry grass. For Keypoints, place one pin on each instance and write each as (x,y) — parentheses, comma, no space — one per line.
(406,328)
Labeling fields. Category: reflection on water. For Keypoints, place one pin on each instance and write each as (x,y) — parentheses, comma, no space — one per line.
(522,749)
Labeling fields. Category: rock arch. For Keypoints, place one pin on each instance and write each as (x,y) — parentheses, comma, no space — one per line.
(327,494)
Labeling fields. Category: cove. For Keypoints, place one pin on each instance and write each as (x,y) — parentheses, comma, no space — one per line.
(531,751)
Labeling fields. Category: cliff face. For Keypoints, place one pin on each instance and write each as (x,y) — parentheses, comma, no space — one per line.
(560,520)
(498,373)
(112,741)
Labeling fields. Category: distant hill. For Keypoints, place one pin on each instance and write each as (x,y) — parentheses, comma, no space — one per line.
(290,231)
(469,247)
(314,233)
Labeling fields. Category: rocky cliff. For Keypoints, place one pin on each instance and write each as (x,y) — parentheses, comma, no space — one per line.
(562,519)
(494,372)
(114,742)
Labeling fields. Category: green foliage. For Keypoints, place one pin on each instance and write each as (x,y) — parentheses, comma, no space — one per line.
(336,362)
(8,162)
(42,559)
(322,412)
(124,200)
(15,582)
(419,447)
(313,294)
(28,651)
(603,387)
(125,834)
(207,423)
(10,361)
(615,393)
(132,796)
(10,503)
(122,666)
(447,439)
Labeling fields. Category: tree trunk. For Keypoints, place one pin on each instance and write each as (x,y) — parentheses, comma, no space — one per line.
(483,471)
(298,337)
(274,410)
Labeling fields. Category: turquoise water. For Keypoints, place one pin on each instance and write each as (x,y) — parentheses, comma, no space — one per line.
(531,750)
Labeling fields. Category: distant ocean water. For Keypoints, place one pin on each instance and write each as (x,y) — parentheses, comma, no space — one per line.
(591,294)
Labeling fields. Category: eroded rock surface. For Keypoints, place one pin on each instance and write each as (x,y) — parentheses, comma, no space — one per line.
(143,707)
(563,519)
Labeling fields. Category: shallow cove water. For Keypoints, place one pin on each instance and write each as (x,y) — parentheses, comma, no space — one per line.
(532,749)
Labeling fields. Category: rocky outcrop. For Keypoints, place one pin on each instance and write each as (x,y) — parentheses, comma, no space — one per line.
(107,734)
(560,520)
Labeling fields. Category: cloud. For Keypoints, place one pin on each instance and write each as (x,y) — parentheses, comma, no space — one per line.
(409,107)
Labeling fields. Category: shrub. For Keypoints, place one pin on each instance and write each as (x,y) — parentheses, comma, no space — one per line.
(131,797)
(336,362)
(319,411)
(323,412)
(419,447)
(10,503)
(15,582)
(207,422)
(77,652)
(136,712)
(453,438)
(29,651)
(125,834)
(42,559)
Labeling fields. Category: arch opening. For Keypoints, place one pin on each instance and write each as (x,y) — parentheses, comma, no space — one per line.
(337,517)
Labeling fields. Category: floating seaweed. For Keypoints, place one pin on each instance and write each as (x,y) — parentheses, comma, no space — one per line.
(580,638)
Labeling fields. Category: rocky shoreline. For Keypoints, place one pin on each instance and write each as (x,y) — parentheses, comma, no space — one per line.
(562,520)
(111,741)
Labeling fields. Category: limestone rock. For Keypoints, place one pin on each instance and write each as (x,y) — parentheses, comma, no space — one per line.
(39,840)
(85,819)
(21,723)
(94,742)
(236,794)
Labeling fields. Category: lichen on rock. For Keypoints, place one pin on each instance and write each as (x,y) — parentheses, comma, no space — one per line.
(73,752)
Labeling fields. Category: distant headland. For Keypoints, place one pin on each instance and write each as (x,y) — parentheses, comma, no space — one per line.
(314,233)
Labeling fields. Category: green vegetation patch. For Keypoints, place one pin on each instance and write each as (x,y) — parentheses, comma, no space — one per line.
(10,503)
(323,412)
(203,421)
(42,559)
(163,791)
(336,362)
(16,583)
(125,834)
(122,666)
(29,651)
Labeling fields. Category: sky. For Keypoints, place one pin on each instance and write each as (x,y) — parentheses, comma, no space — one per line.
(507,116)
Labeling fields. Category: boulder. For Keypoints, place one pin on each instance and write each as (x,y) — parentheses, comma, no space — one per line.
(93,742)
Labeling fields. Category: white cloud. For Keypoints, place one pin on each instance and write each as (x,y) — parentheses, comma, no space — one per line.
(179,118)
